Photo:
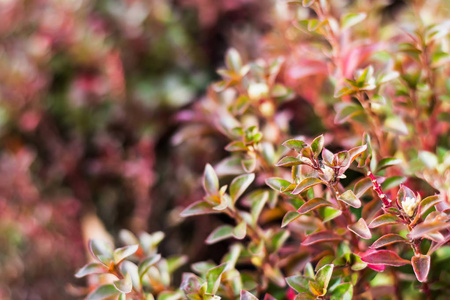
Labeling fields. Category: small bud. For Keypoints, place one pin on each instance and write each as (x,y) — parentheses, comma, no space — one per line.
(409,205)
(257,91)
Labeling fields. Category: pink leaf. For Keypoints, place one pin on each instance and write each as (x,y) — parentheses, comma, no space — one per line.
(421,266)
(384,257)
(323,236)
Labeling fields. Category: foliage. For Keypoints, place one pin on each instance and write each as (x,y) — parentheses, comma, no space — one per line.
(323,144)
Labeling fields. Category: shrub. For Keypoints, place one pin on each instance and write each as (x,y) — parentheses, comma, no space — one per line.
(358,212)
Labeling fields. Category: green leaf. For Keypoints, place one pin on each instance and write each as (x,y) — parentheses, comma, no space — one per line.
(312,204)
(316,289)
(343,291)
(360,228)
(240,230)
(289,217)
(396,125)
(121,253)
(240,184)
(233,60)
(277,184)
(352,19)
(145,265)
(213,277)
(236,146)
(346,111)
(362,186)
(306,184)
(220,233)
(428,203)
(103,292)
(439,59)
(322,236)
(388,162)
(278,239)
(198,208)
(130,269)
(329,213)
(91,268)
(289,161)
(421,266)
(343,92)
(299,283)
(102,251)
(210,181)
(247,296)
(349,198)
(124,285)
(388,239)
(317,145)
(296,145)
(258,200)
(385,219)
(323,276)
(384,257)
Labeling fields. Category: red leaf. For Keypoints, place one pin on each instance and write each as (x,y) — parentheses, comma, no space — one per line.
(384,257)
(388,239)
(421,266)
(360,228)
(323,236)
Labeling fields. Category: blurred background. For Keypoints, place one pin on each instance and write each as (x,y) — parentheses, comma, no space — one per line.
(92,93)
(89,96)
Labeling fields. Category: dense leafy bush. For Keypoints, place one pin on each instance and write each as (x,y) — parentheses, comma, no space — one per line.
(323,145)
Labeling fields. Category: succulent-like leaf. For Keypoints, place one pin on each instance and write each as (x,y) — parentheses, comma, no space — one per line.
(220,233)
(236,146)
(299,283)
(199,208)
(240,184)
(129,268)
(306,184)
(289,217)
(428,227)
(362,186)
(323,276)
(388,162)
(147,263)
(124,285)
(277,184)
(343,291)
(102,251)
(322,236)
(91,268)
(428,203)
(121,253)
(421,266)
(346,111)
(313,204)
(360,228)
(296,145)
(316,289)
(329,213)
(103,292)
(349,198)
(384,257)
(317,145)
(289,161)
(385,219)
(247,296)
(210,180)
(388,239)
(240,230)
(213,277)
(233,60)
